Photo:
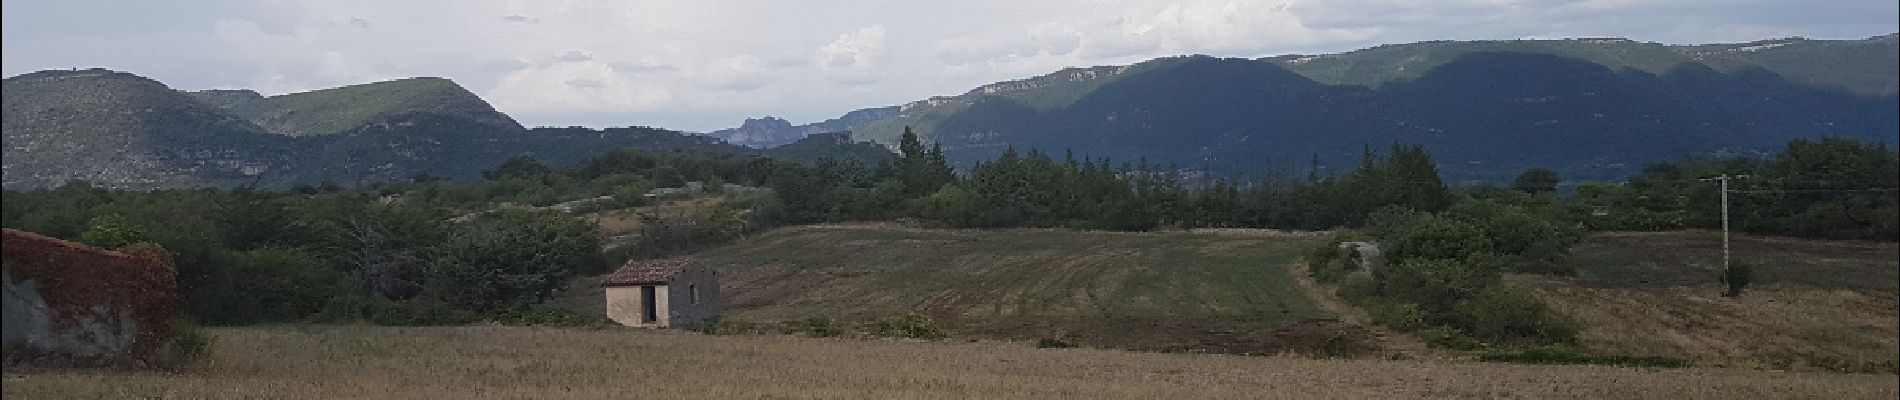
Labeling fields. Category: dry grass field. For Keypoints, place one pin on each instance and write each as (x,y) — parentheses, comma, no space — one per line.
(1814,304)
(494,362)
(1158,291)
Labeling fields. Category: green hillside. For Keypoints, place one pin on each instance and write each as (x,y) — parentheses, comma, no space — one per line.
(1868,67)
(1153,291)
(348,108)
(1042,93)
(1373,66)
(107,126)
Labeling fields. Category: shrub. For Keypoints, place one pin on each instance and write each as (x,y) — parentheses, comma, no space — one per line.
(1057,342)
(416,313)
(189,344)
(1448,338)
(549,317)
(1738,276)
(111,231)
(265,285)
(717,328)
(822,327)
(1503,314)
(1330,261)
(1566,356)
(1433,237)
(512,259)
(910,325)
(1359,289)
(1435,284)
(1405,317)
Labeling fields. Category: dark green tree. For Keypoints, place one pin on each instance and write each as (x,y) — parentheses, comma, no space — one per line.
(512,259)
(1536,180)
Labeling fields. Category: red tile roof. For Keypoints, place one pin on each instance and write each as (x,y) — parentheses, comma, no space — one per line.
(647,272)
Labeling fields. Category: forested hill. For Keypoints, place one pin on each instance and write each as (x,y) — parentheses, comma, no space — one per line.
(1588,107)
(119,130)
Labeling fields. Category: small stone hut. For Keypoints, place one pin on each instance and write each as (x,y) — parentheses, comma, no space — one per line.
(662,293)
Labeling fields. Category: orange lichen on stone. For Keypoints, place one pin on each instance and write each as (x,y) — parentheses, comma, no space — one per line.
(79,283)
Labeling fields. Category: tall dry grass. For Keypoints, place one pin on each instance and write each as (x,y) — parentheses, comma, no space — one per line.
(520,362)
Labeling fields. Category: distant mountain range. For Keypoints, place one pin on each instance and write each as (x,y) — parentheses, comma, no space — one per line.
(116,129)
(772,131)
(1589,107)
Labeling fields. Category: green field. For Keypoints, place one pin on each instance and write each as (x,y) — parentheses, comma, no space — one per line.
(1147,291)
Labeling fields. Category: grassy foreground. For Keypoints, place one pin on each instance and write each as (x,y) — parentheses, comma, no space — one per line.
(1167,291)
(523,362)
(1814,304)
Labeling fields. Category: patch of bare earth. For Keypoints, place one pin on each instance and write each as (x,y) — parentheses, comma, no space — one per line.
(1175,291)
(1815,304)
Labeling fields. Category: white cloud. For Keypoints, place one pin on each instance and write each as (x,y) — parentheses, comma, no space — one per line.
(854,57)
(703,65)
(577,87)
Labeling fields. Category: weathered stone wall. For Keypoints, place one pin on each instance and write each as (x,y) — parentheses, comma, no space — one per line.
(684,310)
(624,305)
(69,299)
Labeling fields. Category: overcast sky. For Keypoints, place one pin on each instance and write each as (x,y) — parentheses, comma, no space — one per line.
(704,64)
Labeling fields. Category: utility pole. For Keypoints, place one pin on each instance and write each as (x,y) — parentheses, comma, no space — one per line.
(1725,252)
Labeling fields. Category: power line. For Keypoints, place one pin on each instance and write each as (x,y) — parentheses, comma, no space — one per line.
(1868,190)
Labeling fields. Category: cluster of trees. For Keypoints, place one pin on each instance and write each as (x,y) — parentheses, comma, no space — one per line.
(1831,188)
(1034,189)
(249,256)
(392,252)
(1439,272)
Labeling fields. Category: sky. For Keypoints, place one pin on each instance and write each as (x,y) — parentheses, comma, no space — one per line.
(702,65)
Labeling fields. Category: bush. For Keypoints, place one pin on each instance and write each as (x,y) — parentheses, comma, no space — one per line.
(549,317)
(1435,284)
(717,328)
(1359,289)
(1738,276)
(822,327)
(1405,317)
(910,325)
(265,285)
(1504,314)
(1330,261)
(1433,237)
(189,344)
(1057,342)
(417,313)
(1448,338)
(512,259)
(1566,356)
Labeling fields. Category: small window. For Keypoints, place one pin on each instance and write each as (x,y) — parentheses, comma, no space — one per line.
(692,293)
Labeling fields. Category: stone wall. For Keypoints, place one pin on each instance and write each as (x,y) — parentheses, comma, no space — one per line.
(624,305)
(683,310)
(69,299)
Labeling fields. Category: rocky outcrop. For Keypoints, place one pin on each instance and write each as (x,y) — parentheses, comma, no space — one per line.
(772,131)
(70,300)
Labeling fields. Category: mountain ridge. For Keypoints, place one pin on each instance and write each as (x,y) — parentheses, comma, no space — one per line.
(120,130)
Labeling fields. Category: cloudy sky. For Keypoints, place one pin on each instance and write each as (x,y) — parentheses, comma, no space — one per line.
(707,64)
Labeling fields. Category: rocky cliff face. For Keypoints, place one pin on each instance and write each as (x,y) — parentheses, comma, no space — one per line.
(772,131)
